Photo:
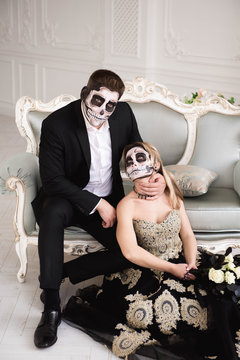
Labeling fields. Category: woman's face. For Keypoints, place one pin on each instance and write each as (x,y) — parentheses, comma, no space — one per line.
(138,163)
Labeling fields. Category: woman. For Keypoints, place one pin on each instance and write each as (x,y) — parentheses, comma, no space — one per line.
(151,310)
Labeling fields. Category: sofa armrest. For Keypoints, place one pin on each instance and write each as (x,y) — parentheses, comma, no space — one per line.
(20,174)
(236,177)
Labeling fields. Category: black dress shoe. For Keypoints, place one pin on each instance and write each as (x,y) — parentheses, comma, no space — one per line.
(46,332)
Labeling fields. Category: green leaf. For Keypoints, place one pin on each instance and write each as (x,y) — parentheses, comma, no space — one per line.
(231,100)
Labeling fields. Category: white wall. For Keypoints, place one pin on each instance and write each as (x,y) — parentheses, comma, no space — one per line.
(49,47)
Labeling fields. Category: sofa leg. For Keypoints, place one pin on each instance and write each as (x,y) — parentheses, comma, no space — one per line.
(21,249)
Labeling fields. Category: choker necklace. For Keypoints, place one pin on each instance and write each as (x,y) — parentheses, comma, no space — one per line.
(141,196)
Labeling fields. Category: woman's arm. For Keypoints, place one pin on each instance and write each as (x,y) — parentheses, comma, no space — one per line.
(188,239)
(132,251)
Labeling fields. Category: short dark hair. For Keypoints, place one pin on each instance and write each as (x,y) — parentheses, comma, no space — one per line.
(103,78)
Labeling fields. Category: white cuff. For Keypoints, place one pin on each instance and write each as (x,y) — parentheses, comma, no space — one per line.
(94,209)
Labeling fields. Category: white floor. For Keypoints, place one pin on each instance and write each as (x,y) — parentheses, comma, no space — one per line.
(20,306)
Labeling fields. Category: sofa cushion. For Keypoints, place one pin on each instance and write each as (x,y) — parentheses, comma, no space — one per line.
(216,211)
(192,180)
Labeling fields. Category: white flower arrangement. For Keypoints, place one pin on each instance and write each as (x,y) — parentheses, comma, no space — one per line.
(202,96)
(228,272)
(223,276)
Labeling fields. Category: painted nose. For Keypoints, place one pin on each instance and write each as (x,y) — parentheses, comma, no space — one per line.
(101,112)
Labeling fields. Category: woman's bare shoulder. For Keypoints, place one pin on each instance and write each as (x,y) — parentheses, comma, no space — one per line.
(126,204)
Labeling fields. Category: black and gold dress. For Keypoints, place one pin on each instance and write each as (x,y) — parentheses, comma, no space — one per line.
(141,313)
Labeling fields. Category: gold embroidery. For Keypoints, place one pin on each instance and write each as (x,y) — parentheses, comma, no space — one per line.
(203,292)
(193,314)
(167,312)
(237,344)
(190,288)
(99,292)
(136,296)
(128,277)
(128,340)
(139,314)
(175,285)
(198,258)
(160,239)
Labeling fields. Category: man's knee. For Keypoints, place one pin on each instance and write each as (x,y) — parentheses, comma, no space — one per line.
(57,209)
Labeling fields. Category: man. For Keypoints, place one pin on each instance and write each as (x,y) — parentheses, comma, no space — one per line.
(80,150)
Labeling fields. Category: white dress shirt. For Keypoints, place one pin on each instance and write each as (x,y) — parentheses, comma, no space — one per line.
(100,181)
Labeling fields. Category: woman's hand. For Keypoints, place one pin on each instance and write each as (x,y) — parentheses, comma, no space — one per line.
(188,275)
(182,271)
(154,187)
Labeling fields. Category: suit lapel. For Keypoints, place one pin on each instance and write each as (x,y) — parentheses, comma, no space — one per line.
(114,139)
(82,134)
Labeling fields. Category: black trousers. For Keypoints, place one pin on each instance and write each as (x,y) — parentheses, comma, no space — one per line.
(55,215)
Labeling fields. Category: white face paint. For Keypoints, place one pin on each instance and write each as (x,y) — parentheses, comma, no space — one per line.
(99,105)
(138,163)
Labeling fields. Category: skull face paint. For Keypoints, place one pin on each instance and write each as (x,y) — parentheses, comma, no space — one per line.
(138,163)
(99,105)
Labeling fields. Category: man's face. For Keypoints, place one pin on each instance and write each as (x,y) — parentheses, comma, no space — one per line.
(138,163)
(99,105)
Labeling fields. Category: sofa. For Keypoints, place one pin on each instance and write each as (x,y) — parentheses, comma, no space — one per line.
(199,143)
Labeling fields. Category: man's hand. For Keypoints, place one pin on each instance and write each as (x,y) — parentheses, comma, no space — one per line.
(107,213)
(155,187)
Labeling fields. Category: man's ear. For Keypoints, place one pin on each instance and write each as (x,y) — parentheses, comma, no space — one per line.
(84,93)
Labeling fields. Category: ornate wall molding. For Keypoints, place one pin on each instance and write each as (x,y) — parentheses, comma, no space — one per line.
(92,42)
(26,22)
(173,42)
(6,23)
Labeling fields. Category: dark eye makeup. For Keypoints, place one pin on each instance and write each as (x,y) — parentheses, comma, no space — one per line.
(141,157)
(97,100)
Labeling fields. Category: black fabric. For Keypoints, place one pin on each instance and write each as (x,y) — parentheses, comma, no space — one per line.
(97,311)
(51,300)
(226,315)
(64,159)
(64,154)
(79,313)
(58,214)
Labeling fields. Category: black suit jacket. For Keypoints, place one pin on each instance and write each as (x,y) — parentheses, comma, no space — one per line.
(64,155)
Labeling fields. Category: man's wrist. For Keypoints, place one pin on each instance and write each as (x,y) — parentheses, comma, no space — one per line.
(95,208)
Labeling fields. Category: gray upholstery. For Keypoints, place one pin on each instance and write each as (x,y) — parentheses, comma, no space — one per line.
(163,127)
(217,147)
(24,167)
(35,119)
(216,211)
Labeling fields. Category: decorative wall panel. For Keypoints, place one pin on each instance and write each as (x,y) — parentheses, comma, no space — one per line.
(6,21)
(52,46)
(75,25)
(61,80)
(125,27)
(7,81)
(29,87)
(26,23)
(208,33)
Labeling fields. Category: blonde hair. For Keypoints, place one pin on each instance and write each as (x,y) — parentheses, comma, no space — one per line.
(172,189)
